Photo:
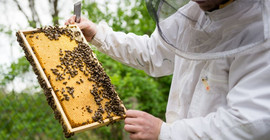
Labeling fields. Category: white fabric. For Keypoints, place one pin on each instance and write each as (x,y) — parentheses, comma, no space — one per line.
(211,35)
(237,104)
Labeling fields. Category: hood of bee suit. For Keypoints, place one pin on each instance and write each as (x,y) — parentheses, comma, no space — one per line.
(241,27)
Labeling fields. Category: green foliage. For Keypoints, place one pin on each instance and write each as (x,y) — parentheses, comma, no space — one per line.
(14,70)
(5,30)
(27,116)
(94,13)
(55,20)
(32,23)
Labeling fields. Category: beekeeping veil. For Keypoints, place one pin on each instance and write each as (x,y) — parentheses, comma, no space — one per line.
(242,27)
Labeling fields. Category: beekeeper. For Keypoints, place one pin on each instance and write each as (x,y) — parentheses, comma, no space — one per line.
(218,53)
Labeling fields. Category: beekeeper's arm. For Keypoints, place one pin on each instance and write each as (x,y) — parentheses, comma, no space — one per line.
(142,52)
(247,115)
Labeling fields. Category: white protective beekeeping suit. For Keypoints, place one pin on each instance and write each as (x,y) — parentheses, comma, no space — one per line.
(220,63)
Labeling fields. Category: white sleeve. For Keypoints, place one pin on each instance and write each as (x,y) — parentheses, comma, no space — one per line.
(141,52)
(247,115)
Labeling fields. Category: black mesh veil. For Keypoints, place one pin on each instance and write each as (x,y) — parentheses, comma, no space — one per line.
(195,34)
(162,9)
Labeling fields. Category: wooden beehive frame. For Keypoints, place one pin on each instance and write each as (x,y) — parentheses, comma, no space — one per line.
(43,76)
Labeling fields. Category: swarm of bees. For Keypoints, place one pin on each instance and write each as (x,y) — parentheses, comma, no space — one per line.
(80,59)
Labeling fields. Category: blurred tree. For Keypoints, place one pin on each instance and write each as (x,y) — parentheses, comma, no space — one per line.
(34,19)
(55,11)
(21,66)
(16,68)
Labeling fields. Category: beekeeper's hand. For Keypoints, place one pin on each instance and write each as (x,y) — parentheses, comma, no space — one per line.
(88,28)
(142,126)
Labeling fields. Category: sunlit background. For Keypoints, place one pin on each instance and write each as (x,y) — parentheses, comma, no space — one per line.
(25,113)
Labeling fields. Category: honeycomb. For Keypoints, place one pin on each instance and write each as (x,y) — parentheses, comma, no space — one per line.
(76,77)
